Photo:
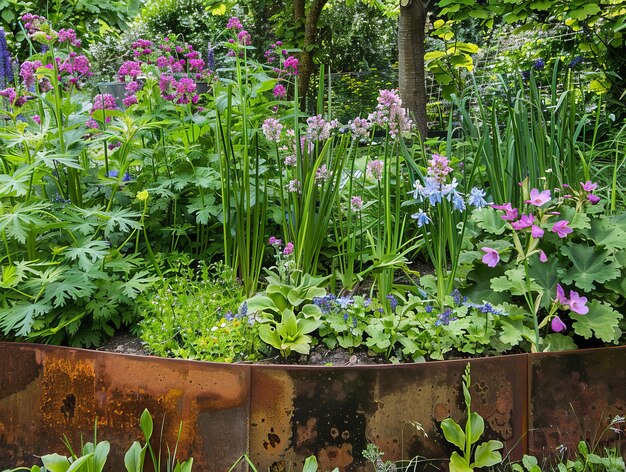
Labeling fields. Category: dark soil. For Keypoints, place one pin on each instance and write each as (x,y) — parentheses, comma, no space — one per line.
(126,343)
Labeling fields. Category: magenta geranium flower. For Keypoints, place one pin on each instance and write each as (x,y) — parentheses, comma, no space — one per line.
(577,303)
(510,213)
(536,232)
(557,325)
(589,186)
(560,295)
(491,257)
(543,257)
(524,222)
(539,198)
(561,228)
(593,199)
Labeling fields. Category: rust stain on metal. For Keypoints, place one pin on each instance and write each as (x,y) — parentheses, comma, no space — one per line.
(63,391)
(281,415)
(574,396)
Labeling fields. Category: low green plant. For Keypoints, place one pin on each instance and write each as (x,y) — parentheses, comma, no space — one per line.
(196,314)
(374,455)
(310,464)
(286,312)
(472,456)
(93,456)
(530,256)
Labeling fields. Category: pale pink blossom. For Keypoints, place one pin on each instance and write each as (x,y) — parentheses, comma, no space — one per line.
(577,303)
(561,228)
(539,198)
(491,257)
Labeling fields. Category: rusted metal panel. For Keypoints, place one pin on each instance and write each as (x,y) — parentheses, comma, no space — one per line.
(46,392)
(334,412)
(573,396)
(282,414)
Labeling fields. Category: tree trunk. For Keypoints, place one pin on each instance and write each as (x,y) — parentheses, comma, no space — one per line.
(306,66)
(412,76)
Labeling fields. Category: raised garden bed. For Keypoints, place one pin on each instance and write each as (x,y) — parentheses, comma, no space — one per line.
(280,415)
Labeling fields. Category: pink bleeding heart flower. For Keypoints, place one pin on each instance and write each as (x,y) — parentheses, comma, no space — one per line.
(536,232)
(561,228)
(577,303)
(491,257)
(557,325)
(560,295)
(543,257)
(539,198)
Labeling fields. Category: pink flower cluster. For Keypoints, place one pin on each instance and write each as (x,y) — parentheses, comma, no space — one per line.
(439,168)
(69,36)
(103,101)
(390,114)
(272,129)
(318,129)
(574,303)
(360,128)
(74,68)
(277,244)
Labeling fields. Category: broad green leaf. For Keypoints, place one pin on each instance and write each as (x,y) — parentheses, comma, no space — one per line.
(134,458)
(138,283)
(308,325)
(545,274)
(20,318)
(458,464)
(302,344)
(19,220)
(121,219)
(531,464)
(187,465)
(87,251)
(477,426)
(589,266)
(489,220)
(514,281)
(78,464)
(145,422)
(310,464)
(453,433)
(487,454)
(55,462)
(602,321)
(606,233)
(556,342)
(100,455)
(268,335)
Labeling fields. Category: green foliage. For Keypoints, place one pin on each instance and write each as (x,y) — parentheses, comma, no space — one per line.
(92,19)
(93,458)
(198,22)
(195,314)
(287,313)
(485,454)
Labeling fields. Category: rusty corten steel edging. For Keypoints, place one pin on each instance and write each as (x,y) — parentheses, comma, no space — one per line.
(281,414)
(334,412)
(48,391)
(573,396)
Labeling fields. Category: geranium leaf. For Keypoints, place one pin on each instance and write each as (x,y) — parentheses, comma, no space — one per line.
(589,266)
(606,233)
(601,321)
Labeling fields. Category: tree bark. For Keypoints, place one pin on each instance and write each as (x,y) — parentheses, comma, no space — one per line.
(411,50)
(306,66)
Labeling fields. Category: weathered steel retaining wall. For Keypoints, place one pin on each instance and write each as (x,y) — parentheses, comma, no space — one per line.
(280,415)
